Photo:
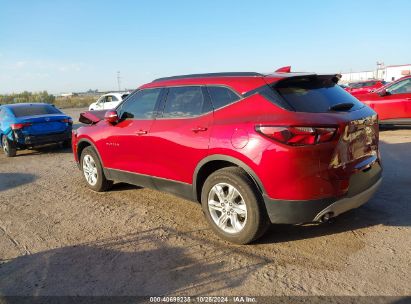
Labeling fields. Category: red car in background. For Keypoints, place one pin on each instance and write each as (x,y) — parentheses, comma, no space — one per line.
(392,102)
(364,87)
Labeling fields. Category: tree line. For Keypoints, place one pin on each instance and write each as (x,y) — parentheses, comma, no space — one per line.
(27,97)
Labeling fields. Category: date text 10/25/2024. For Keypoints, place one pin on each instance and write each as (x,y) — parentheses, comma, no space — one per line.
(203,299)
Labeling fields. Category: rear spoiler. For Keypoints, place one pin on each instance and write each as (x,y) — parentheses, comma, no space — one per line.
(286,69)
(286,72)
(92,117)
(290,77)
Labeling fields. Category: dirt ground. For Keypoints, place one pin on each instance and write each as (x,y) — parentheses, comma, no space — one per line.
(59,238)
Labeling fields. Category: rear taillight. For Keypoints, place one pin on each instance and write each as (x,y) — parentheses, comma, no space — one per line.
(298,136)
(68,120)
(19,126)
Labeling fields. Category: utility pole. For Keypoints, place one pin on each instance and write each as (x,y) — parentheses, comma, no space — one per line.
(380,67)
(118,81)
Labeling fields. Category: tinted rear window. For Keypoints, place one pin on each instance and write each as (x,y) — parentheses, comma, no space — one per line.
(32,110)
(314,94)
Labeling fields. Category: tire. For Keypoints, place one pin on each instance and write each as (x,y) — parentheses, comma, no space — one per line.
(245,217)
(93,171)
(9,148)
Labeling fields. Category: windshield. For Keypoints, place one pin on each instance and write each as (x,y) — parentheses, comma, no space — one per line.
(358,85)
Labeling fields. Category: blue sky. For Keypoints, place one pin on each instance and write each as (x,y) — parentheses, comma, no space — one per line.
(75,45)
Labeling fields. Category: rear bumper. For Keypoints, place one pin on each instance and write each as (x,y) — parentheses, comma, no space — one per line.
(362,187)
(31,140)
(349,203)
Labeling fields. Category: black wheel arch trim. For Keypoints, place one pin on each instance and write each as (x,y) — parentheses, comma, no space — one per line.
(235,161)
(93,146)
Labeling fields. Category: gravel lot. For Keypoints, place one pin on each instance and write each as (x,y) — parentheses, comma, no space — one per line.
(59,238)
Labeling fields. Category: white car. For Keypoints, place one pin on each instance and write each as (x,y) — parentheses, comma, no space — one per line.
(108,101)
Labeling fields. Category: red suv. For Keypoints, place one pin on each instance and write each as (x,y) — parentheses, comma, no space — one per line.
(364,87)
(392,102)
(252,148)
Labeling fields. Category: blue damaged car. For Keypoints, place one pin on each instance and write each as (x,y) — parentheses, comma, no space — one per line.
(26,125)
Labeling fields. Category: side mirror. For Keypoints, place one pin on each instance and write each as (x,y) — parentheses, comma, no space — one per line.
(111,117)
(383,92)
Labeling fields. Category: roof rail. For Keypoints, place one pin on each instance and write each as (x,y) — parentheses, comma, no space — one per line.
(228,74)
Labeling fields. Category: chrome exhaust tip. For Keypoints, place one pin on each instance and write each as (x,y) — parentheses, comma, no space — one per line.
(326,217)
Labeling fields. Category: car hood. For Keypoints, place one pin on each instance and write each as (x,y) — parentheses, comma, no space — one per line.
(92,117)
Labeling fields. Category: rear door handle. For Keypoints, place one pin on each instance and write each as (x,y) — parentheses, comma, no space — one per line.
(408,98)
(199,129)
(141,132)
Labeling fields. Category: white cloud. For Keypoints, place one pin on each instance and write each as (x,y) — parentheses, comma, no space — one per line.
(20,64)
(49,67)
(34,75)
(73,67)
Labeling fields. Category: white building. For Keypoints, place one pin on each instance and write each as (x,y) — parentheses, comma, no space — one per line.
(357,76)
(388,73)
(394,72)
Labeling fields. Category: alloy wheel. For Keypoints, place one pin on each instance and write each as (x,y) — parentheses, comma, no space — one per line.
(227,208)
(5,145)
(90,170)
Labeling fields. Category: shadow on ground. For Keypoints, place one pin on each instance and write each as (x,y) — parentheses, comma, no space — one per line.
(394,127)
(53,148)
(146,263)
(13,180)
(123,186)
(49,149)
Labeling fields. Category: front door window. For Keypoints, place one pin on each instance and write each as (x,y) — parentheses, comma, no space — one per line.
(402,87)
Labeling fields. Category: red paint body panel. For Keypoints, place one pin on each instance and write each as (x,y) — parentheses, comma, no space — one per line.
(176,147)
(394,106)
(121,146)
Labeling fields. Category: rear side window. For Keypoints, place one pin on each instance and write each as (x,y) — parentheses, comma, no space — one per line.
(221,96)
(33,110)
(314,94)
(184,102)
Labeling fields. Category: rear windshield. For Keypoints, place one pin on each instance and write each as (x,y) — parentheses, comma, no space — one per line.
(315,94)
(34,109)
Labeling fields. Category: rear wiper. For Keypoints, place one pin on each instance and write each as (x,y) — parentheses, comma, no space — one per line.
(344,106)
